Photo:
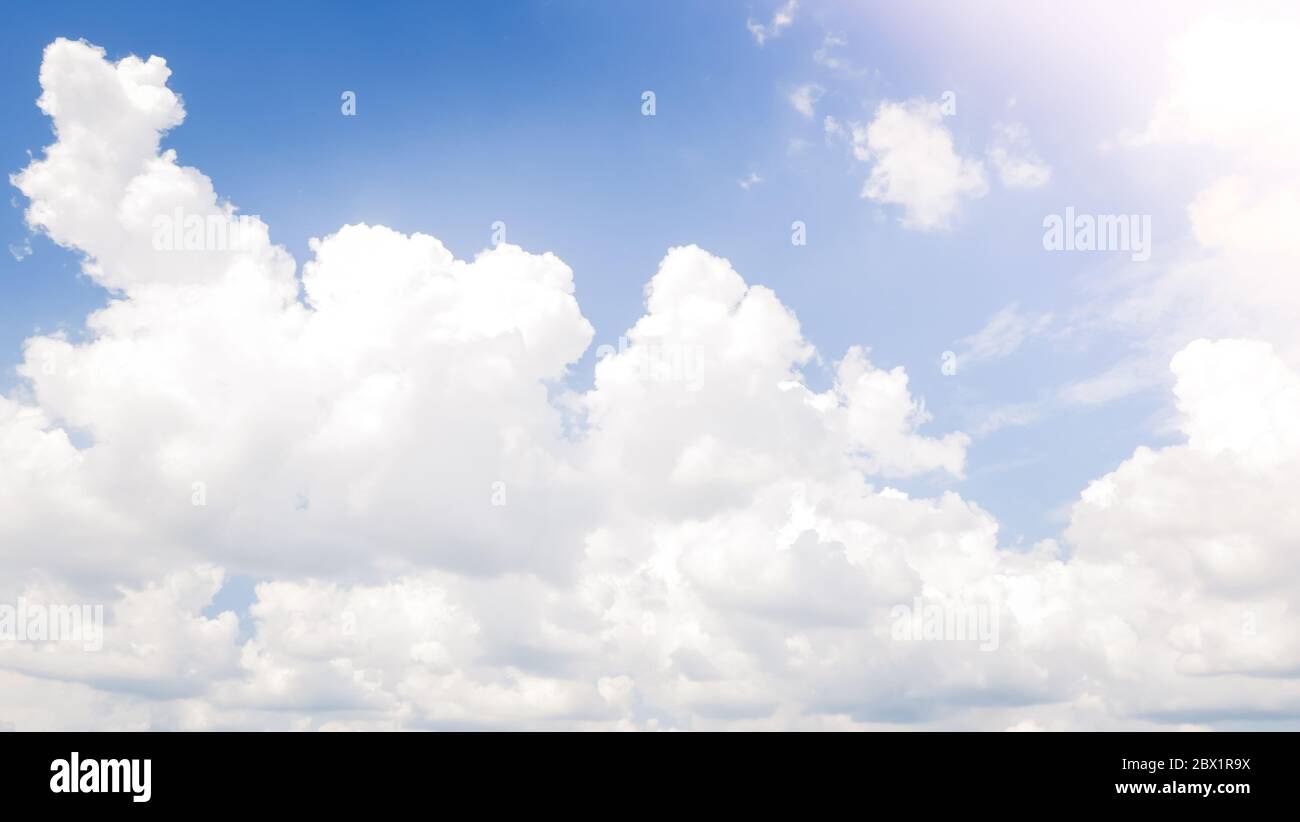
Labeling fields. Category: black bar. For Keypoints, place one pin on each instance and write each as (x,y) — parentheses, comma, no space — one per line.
(869,772)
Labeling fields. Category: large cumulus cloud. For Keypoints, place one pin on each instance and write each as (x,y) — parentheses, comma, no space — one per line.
(445,535)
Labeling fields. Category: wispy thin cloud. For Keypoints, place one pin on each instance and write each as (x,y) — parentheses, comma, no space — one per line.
(781,20)
(1001,335)
(1013,157)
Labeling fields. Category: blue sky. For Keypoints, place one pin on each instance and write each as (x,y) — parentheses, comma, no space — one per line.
(529,113)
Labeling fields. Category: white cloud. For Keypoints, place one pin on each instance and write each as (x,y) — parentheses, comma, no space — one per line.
(833,127)
(1007,416)
(698,540)
(1232,87)
(357,421)
(1001,335)
(805,97)
(749,182)
(1017,164)
(162,647)
(1236,125)
(826,54)
(1120,380)
(1248,217)
(782,19)
(914,164)
(1205,531)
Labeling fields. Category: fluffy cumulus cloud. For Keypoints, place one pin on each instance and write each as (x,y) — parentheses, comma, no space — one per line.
(443,535)
(1204,535)
(915,165)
